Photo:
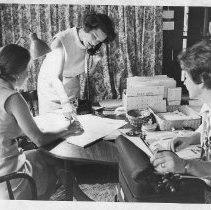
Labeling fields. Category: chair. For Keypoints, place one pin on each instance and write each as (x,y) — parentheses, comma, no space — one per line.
(138,181)
(7,178)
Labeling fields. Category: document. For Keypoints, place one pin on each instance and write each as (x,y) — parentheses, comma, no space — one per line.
(111,103)
(161,140)
(140,144)
(94,128)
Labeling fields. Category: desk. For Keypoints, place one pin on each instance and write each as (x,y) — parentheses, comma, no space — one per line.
(104,152)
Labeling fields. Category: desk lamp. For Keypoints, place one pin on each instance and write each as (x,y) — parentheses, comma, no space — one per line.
(38,47)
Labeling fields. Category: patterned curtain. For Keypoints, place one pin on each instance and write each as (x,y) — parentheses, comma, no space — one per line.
(137,49)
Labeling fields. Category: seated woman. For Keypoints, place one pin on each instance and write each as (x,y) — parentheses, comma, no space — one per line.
(196,62)
(15,119)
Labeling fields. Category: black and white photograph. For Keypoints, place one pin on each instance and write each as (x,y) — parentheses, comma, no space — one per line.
(105,104)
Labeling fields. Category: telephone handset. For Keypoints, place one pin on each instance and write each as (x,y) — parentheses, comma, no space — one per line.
(93,50)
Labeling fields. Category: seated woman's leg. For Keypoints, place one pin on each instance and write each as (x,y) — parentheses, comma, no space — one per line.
(43,173)
(46,171)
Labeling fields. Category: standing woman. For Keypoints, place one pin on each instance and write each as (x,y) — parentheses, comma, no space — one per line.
(58,80)
(15,120)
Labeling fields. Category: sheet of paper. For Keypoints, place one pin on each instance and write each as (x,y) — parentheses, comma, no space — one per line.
(139,143)
(111,103)
(94,128)
(152,136)
(191,152)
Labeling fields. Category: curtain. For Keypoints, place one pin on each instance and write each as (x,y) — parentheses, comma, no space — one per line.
(137,50)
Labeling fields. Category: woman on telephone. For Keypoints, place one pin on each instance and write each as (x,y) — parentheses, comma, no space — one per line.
(196,63)
(58,80)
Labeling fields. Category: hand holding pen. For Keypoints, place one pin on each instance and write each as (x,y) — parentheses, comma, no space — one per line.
(69,112)
(75,125)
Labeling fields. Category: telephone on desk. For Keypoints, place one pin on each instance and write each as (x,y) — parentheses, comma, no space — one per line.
(85,105)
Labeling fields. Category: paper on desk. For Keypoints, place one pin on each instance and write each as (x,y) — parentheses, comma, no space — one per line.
(152,136)
(94,128)
(140,144)
(111,103)
(162,139)
(191,152)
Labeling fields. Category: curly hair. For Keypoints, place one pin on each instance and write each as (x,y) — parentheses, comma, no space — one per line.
(196,60)
(12,57)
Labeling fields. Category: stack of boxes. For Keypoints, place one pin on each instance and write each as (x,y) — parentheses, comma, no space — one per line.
(153,92)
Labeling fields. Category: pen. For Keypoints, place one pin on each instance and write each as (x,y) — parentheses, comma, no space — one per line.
(147,145)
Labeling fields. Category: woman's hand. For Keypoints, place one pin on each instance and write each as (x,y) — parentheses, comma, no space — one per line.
(75,128)
(70,116)
(167,161)
(180,143)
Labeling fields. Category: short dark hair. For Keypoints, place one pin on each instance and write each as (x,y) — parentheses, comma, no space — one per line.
(196,60)
(102,21)
(12,57)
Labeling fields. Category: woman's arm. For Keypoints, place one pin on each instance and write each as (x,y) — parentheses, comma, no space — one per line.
(17,106)
(198,168)
(172,163)
(57,58)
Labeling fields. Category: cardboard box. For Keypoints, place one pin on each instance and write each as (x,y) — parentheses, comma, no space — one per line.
(174,94)
(175,102)
(139,90)
(142,102)
(142,79)
(158,80)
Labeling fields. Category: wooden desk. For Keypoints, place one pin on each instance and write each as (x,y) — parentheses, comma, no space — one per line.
(104,152)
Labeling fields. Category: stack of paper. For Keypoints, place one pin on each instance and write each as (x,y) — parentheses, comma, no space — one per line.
(110,105)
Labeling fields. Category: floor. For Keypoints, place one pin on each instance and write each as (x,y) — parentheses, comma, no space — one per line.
(97,181)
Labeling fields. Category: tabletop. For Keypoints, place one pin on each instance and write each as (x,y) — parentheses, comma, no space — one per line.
(99,152)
